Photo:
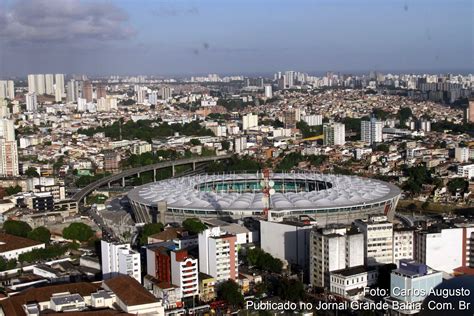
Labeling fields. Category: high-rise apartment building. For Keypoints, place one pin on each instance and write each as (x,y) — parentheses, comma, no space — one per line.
(184,272)
(268,91)
(470,111)
(334,134)
(7,130)
(249,121)
(40,87)
(313,119)
(7,89)
(166,93)
(378,240)
(371,131)
(218,254)
(49,84)
(101,91)
(8,158)
(87,91)
(332,249)
(59,84)
(31,84)
(120,259)
(31,102)
(71,91)
(141,95)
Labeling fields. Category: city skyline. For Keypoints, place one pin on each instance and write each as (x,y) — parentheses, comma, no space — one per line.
(150,38)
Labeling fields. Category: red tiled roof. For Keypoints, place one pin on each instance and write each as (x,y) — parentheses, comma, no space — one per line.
(129,291)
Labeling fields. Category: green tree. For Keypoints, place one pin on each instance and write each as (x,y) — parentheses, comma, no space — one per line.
(194,225)
(13,190)
(289,289)
(383,147)
(17,228)
(195,142)
(229,291)
(31,172)
(7,264)
(225,145)
(40,234)
(458,185)
(78,231)
(404,114)
(148,230)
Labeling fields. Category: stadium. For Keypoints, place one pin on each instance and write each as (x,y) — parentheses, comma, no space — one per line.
(325,197)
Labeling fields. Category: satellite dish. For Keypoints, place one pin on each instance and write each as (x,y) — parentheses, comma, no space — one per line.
(272,191)
(271,183)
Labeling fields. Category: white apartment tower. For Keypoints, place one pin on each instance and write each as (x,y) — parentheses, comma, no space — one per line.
(218,254)
(120,259)
(249,121)
(371,131)
(334,248)
(334,134)
(31,102)
(378,240)
(184,272)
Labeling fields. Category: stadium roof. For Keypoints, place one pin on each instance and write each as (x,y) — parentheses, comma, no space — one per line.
(183,193)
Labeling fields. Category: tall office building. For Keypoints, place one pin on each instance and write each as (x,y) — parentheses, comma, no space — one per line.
(371,131)
(249,121)
(49,84)
(31,102)
(334,134)
(7,89)
(87,91)
(334,248)
(378,240)
(218,255)
(119,259)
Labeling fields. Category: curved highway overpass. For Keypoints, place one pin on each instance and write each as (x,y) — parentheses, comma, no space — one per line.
(133,171)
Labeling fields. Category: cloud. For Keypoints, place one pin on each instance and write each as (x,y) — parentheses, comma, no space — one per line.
(63,21)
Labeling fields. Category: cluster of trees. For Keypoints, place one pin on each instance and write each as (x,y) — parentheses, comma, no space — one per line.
(404,114)
(309,131)
(96,199)
(235,163)
(233,105)
(85,180)
(466,128)
(13,190)
(78,231)
(7,264)
(148,130)
(194,225)
(288,289)
(22,229)
(417,176)
(148,230)
(149,158)
(50,252)
(458,185)
(263,261)
(293,159)
(229,291)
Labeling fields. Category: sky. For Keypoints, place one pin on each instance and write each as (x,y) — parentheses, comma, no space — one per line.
(191,37)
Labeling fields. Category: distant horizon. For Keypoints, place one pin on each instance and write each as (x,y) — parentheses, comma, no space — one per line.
(258,74)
